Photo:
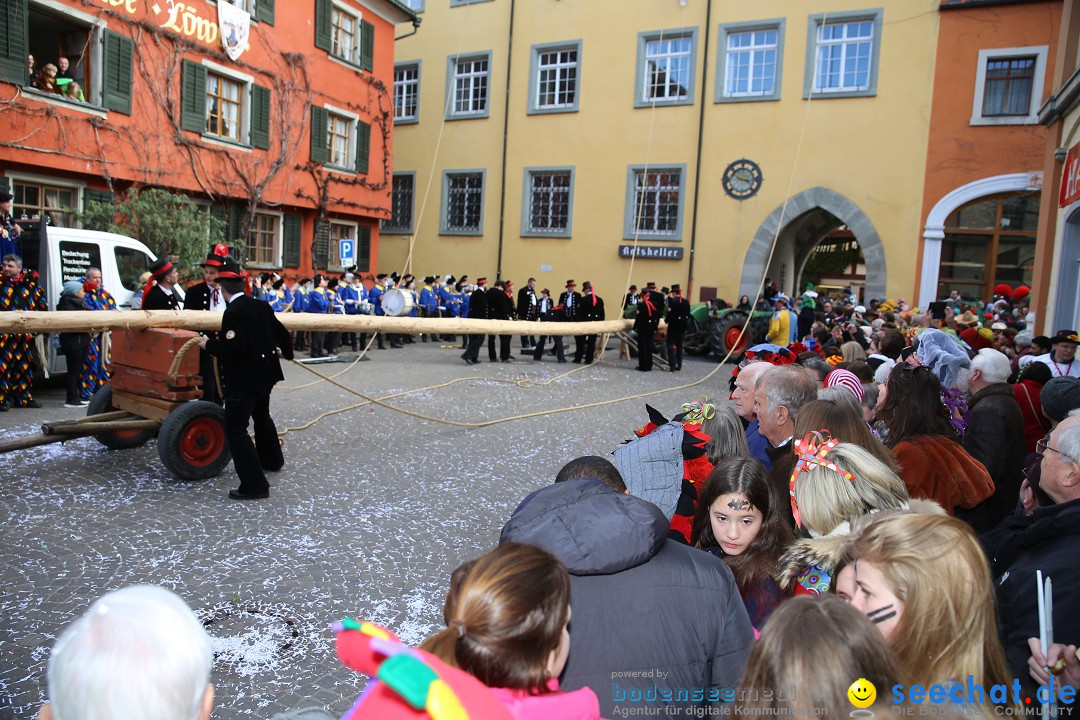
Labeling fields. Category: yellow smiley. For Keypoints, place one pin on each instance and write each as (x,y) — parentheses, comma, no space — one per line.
(862,693)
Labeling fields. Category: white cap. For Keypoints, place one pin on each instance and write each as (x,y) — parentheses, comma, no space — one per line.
(860,308)
(998,326)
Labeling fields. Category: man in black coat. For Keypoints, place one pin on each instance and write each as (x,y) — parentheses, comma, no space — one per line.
(640,601)
(247,347)
(678,319)
(207,296)
(570,307)
(164,295)
(477,310)
(546,310)
(592,309)
(528,309)
(647,320)
(632,298)
(500,306)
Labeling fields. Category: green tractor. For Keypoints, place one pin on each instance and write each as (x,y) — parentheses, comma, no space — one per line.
(715,330)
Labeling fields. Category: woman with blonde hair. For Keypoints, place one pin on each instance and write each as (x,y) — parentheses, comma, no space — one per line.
(924,581)
(818,647)
(851,351)
(833,485)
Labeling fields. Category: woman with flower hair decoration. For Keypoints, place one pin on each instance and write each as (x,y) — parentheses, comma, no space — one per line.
(833,485)
(925,425)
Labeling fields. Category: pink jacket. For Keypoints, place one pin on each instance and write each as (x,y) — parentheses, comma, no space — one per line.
(576,705)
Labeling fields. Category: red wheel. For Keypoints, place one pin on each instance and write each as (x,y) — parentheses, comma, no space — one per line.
(737,344)
(202,442)
(101,403)
(192,443)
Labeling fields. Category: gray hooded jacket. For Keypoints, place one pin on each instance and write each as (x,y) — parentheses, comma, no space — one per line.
(652,619)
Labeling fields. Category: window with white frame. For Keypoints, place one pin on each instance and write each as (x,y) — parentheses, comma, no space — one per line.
(470,78)
(345,34)
(407,93)
(339,131)
(34,199)
(1009,85)
(553,82)
(414,5)
(224,106)
(842,54)
(666,68)
(549,202)
(463,203)
(655,202)
(401,204)
(750,68)
(263,245)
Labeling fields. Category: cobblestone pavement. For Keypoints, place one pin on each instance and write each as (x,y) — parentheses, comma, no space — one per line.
(368,518)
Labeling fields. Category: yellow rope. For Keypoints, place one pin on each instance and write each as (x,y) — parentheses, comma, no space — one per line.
(342,372)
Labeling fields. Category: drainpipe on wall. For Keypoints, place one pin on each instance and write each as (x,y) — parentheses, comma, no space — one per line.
(415,29)
(506,131)
(700,136)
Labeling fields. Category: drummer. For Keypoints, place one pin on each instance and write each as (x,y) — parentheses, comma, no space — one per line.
(375,296)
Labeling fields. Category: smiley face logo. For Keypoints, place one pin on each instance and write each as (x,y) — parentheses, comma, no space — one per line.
(862,693)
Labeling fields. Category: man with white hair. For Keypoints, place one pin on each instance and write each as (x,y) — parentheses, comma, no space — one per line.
(1047,541)
(995,437)
(778,396)
(743,397)
(138,652)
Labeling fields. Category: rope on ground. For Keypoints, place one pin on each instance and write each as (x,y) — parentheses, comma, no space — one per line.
(341,372)
(487,423)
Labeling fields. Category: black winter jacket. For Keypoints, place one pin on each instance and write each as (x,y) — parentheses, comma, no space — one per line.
(648,613)
(1047,541)
(996,438)
(72,342)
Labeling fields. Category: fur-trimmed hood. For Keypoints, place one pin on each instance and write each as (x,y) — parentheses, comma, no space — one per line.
(826,551)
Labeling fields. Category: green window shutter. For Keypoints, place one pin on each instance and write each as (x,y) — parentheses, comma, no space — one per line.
(5,184)
(367,45)
(118,57)
(363,146)
(237,231)
(318,134)
(193,97)
(14,42)
(260,117)
(363,249)
(100,196)
(291,237)
(264,11)
(323,29)
(322,245)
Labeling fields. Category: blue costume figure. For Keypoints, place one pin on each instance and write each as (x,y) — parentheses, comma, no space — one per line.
(9,229)
(318,302)
(299,304)
(95,364)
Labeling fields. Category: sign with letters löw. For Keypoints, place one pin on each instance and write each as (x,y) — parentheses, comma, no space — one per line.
(1070,178)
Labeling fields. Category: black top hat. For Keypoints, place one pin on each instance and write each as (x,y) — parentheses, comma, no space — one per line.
(5,196)
(161,268)
(230,270)
(676,288)
(571,283)
(212,260)
(480,281)
(586,285)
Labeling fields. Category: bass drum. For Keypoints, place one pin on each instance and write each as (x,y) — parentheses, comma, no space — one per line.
(397,303)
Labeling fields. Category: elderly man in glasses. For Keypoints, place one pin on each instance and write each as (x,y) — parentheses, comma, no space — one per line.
(1047,541)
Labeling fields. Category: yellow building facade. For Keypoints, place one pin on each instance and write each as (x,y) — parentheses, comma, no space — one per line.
(625,141)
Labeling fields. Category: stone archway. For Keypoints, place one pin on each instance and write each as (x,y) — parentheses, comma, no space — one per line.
(808,218)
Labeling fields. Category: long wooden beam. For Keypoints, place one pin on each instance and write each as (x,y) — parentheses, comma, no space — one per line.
(41,322)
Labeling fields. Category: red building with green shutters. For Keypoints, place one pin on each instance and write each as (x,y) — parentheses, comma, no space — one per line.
(276,117)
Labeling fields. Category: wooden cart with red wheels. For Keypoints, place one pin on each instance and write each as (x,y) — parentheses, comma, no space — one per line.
(154,391)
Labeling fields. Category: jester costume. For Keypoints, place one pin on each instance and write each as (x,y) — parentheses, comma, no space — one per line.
(17,349)
(95,371)
(9,235)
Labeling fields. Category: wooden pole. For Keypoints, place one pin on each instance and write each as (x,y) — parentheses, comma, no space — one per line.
(73,321)
(108,426)
(29,441)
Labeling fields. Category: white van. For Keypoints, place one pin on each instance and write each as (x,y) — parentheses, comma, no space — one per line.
(60,254)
